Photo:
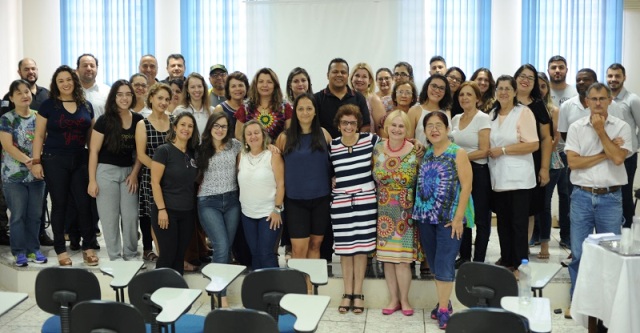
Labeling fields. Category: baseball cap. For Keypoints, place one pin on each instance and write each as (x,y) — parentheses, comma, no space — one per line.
(218,66)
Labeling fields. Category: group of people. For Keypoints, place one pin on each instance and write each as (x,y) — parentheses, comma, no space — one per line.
(396,173)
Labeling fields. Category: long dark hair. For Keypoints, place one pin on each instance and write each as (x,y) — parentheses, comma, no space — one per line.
(535,93)
(491,91)
(195,136)
(294,72)
(113,123)
(207,149)
(445,102)
(276,95)
(512,82)
(77,94)
(294,132)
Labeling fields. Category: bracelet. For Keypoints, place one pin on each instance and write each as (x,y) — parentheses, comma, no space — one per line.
(159,209)
(504,151)
(35,161)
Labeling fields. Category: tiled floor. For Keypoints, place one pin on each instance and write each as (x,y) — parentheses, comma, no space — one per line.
(27,317)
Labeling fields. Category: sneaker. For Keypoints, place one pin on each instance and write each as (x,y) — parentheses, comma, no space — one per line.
(45,240)
(37,257)
(434,312)
(21,260)
(443,318)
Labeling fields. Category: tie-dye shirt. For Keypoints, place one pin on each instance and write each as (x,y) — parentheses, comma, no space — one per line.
(22,131)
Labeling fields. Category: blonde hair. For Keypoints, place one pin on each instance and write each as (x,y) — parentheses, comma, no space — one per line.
(372,81)
(405,120)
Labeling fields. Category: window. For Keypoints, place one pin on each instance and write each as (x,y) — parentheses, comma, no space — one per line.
(117,32)
(588,33)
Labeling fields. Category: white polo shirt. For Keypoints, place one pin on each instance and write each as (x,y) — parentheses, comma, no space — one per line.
(97,95)
(583,139)
(570,111)
(628,107)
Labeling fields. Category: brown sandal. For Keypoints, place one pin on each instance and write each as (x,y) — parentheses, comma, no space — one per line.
(64,260)
(149,255)
(90,258)
(543,255)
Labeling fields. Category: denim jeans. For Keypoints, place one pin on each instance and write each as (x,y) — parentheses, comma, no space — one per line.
(564,201)
(588,211)
(542,229)
(628,208)
(262,242)
(440,249)
(24,201)
(219,217)
(67,179)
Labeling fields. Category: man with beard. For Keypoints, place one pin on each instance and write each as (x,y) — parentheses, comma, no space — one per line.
(560,91)
(28,71)
(627,108)
(217,77)
(95,92)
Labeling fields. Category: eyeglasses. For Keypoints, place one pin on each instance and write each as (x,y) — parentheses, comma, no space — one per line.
(437,87)
(218,75)
(140,85)
(388,78)
(401,75)
(598,99)
(501,89)
(404,93)
(345,123)
(121,95)
(526,77)
(454,79)
(189,161)
(438,126)
(220,127)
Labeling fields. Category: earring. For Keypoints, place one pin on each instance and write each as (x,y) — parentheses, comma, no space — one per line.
(246,145)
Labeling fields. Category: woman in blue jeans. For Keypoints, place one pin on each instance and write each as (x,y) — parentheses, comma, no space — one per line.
(261,181)
(218,205)
(24,193)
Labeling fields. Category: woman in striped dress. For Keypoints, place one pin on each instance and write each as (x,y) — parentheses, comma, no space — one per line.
(354,207)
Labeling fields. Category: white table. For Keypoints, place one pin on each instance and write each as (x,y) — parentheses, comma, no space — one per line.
(174,302)
(122,273)
(607,288)
(538,311)
(308,309)
(541,275)
(221,276)
(10,299)
(315,268)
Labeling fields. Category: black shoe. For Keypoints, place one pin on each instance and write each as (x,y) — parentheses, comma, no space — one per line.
(74,245)
(565,245)
(461,261)
(4,238)
(45,240)
(206,259)
(94,245)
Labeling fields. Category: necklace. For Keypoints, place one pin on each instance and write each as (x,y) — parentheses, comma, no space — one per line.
(404,142)
(255,159)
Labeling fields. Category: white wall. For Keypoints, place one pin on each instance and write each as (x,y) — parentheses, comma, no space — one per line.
(32,28)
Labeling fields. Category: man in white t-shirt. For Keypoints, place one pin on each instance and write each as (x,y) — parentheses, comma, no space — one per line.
(559,89)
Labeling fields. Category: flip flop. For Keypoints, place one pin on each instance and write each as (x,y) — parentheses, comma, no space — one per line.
(543,255)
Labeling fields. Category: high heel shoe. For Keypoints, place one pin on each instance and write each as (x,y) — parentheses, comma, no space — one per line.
(64,260)
(345,308)
(354,308)
(90,258)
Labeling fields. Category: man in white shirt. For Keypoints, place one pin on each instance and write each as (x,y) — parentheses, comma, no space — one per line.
(628,108)
(95,92)
(597,164)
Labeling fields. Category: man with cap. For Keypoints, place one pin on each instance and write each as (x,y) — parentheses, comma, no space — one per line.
(217,77)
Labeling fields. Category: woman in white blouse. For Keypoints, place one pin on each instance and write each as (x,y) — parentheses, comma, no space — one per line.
(471,130)
(195,100)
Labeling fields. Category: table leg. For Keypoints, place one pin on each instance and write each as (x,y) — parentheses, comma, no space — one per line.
(117,294)
(213,302)
(219,295)
(315,289)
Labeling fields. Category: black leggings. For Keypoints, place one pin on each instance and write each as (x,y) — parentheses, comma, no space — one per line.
(174,240)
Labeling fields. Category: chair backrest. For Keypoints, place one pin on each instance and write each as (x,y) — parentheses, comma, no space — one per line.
(239,320)
(262,289)
(484,285)
(108,316)
(144,284)
(481,320)
(65,286)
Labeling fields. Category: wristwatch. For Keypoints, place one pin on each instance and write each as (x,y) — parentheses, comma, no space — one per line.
(504,151)
(278,209)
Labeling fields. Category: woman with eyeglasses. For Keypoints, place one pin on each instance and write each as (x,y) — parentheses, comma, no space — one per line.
(361,80)
(470,130)
(542,230)
(113,172)
(456,77)
(402,72)
(528,94)
(265,104)
(385,82)
(434,96)
(513,139)
(218,196)
(404,96)
(483,77)
(140,87)
(173,175)
(354,204)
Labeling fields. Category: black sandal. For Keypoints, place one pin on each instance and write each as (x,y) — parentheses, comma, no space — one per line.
(343,309)
(357,309)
